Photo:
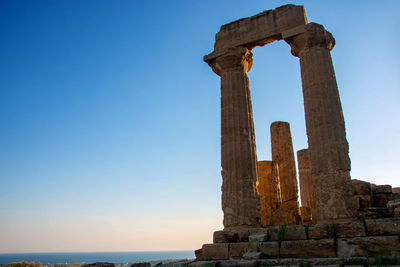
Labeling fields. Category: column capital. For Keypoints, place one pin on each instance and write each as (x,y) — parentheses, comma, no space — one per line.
(314,35)
(235,58)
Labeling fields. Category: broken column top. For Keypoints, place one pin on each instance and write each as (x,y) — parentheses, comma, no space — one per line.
(258,30)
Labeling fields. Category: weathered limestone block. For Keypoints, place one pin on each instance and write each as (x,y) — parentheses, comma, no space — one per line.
(307,193)
(215,251)
(259,231)
(349,229)
(282,155)
(293,232)
(198,253)
(363,201)
(252,255)
(380,200)
(273,233)
(269,249)
(231,235)
(381,195)
(392,205)
(361,187)
(258,238)
(308,249)
(337,229)
(237,250)
(328,147)
(269,192)
(376,212)
(386,226)
(240,201)
(382,189)
(225,237)
(319,231)
(305,213)
(258,30)
(369,245)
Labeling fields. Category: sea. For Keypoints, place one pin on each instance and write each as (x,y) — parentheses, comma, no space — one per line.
(123,258)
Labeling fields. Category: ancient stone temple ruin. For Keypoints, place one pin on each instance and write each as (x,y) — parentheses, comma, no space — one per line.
(263,220)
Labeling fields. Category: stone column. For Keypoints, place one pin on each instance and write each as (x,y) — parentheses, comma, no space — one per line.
(269,191)
(328,147)
(240,200)
(307,194)
(283,156)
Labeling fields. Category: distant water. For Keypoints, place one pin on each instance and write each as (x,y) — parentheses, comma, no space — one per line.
(88,257)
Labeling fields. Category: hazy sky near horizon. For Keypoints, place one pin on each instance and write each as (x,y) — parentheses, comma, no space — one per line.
(110,120)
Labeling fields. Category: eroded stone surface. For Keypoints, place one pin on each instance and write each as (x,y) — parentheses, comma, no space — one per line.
(380,200)
(319,231)
(392,206)
(225,237)
(258,238)
(240,201)
(232,235)
(269,191)
(387,226)
(307,193)
(347,229)
(293,232)
(361,187)
(258,30)
(215,252)
(251,255)
(269,249)
(283,157)
(305,213)
(338,229)
(370,245)
(382,189)
(308,249)
(363,201)
(328,147)
(237,250)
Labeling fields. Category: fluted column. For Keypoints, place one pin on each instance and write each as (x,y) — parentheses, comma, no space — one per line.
(283,156)
(240,201)
(307,194)
(328,147)
(269,191)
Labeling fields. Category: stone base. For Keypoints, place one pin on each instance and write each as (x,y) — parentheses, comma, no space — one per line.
(292,262)
(360,238)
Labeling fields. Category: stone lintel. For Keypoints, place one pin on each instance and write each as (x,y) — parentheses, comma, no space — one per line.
(293,31)
(258,30)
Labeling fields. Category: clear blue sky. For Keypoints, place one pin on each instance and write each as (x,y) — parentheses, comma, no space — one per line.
(110,137)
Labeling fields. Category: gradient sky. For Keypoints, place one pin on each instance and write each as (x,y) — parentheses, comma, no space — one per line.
(110,125)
